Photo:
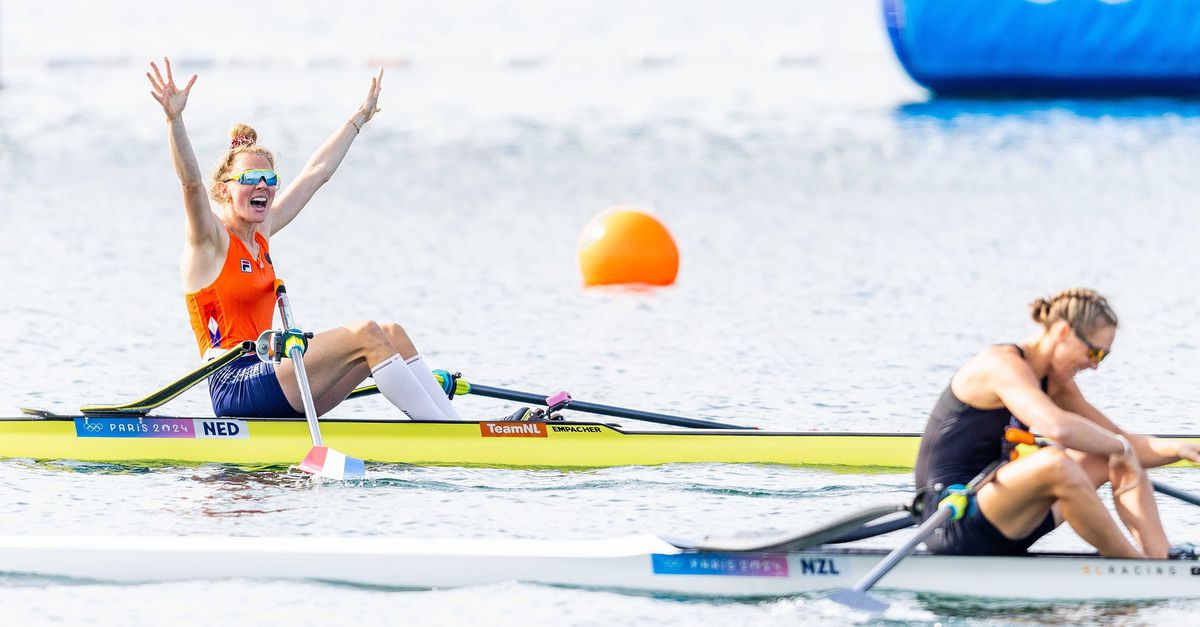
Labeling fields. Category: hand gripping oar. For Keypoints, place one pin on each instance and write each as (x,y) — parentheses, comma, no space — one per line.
(463,387)
(952,507)
(1020,436)
(321,460)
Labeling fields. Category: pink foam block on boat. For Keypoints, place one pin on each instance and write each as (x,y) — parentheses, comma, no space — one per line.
(558,398)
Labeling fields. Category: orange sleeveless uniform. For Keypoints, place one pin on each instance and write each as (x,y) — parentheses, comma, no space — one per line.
(240,303)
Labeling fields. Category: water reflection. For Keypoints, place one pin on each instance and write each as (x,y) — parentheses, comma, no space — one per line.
(1034,612)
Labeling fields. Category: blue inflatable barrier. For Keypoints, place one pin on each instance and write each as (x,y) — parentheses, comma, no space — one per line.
(1049,47)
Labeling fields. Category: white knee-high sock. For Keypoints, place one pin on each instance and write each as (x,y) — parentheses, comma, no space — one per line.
(421,371)
(398,384)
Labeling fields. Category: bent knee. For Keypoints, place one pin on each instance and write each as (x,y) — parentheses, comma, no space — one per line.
(1095,465)
(394,330)
(1059,469)
(369,332)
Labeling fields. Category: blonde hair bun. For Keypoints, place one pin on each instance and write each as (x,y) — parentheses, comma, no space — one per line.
(1040,308)
(242,135)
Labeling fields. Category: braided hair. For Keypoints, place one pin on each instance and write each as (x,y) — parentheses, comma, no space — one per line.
(1080,307)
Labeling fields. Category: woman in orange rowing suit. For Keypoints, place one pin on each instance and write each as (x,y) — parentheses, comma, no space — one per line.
(229,278)
(1031,385)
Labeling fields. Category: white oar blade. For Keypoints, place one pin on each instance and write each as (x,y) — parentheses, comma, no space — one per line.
(327,463)
(860,601)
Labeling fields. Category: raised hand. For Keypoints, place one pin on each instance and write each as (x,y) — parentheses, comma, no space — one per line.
(173,99)
(370,105)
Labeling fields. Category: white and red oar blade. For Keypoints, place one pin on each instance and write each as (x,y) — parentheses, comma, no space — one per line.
(325,462)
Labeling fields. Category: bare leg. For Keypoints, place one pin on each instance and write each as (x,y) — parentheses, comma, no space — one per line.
(333,357)
(399,339)
(1024,491)
(340,390)
(1139,511)
(1137,508)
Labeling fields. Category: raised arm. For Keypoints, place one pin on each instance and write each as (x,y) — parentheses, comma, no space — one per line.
(1151,451)
(203,227)
(325,161)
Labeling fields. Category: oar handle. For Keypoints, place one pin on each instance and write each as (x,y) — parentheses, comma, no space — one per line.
(1014,435)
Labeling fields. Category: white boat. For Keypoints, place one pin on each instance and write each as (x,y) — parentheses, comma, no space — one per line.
(639,564)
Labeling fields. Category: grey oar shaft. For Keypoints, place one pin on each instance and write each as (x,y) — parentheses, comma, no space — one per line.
(297,357)
(882,568)
(856,596)
(310,410)
(1186,497)
(285,310)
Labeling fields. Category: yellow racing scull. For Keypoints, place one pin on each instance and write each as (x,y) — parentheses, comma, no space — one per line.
(268,442)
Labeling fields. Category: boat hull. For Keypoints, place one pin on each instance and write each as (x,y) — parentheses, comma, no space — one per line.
(275,442)
(640,564)
(266,442)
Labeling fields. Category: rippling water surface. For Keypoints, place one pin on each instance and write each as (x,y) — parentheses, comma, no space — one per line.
(845,242)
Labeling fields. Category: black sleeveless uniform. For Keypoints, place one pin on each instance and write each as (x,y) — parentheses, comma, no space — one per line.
(958,443)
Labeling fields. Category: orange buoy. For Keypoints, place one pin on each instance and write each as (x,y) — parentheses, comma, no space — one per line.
(626,245)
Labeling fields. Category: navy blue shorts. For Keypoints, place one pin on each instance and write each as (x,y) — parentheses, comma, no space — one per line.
(248,387)
(974,534)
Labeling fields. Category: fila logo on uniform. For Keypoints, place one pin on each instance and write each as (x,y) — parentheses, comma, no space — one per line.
(246,267)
